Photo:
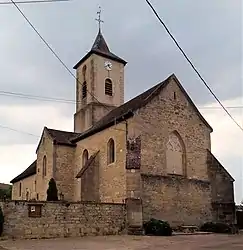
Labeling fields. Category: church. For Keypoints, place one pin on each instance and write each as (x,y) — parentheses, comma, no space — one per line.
(155,148)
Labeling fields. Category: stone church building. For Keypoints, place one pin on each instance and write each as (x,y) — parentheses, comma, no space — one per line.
(155,149)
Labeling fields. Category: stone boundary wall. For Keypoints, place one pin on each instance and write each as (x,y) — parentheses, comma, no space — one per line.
(30,220)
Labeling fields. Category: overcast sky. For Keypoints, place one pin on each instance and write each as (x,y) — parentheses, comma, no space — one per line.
(210,31)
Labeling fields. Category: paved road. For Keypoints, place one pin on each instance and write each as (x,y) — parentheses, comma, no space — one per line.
(193,242)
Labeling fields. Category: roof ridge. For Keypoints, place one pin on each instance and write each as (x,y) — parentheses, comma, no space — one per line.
(125,109)
(58,130)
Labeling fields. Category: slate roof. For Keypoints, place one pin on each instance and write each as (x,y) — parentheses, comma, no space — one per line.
(127,109)
(101,48)
(62,137)
(115,116)
(31,170)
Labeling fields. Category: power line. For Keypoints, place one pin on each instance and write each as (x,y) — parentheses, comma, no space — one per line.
(59,59)
(189,61)
(34,2)
(53,52)
(71,101)
(36,97)
(19,131)
(23,132)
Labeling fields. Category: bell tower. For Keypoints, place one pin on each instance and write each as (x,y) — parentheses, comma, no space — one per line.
(99,84)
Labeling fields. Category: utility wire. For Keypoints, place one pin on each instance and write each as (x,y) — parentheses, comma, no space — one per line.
(53,52)
(19,131)
(34,2)
(189,61)
(70,101)
(64,65)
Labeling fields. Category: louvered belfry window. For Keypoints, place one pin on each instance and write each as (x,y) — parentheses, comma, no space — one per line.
(108,87)
(84,90)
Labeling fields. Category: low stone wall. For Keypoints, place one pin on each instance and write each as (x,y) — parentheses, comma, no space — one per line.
(55,219)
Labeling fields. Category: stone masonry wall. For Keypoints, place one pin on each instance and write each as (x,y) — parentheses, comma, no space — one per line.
(112,177)
(64,172)
(27,185)
(178,198)
(158,119)
(63,219)
(46,148)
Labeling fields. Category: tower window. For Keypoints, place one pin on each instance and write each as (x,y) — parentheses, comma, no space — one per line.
(20,189)
(110,151)
(108,87)
(84,90)
(174,95)
(44,167)
(85,157)
(84,70)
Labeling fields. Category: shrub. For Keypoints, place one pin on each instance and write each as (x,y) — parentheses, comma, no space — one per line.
(157,228)
(1,221)
(52,191)
(216,227)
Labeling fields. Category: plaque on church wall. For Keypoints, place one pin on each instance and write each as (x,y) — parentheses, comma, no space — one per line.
(34,210)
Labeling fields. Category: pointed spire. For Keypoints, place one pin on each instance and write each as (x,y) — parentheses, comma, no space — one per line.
(100,47)
(100,44)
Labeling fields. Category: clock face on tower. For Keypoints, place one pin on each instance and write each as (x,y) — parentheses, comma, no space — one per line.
(108,65)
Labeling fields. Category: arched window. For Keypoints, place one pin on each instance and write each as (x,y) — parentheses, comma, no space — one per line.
(110,151)
(84,90)
(175,155)
(84,71)
(85,157)
(108,87)
(20,189)
(44,167)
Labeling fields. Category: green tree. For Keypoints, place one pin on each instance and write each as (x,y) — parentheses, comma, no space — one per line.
(1,221)
(6,193)
(52,191)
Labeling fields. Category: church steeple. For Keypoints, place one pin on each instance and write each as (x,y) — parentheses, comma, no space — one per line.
(100,44)
(99,85)
(100,47)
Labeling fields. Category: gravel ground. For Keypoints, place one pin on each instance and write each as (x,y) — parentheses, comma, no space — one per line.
(190,242)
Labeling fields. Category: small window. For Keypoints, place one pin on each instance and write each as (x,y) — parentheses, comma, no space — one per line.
(84,70)
(174,95)
(20,189)
(84,90)
(37,196)
(85,157)
(108,87)
(110,151)
(44,167)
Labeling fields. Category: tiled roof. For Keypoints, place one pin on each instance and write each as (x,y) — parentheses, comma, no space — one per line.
(31,170)
(101,48)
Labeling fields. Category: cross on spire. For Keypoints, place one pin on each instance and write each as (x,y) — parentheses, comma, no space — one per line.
(98,19)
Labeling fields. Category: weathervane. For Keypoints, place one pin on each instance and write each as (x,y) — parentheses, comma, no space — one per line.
(99,20)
